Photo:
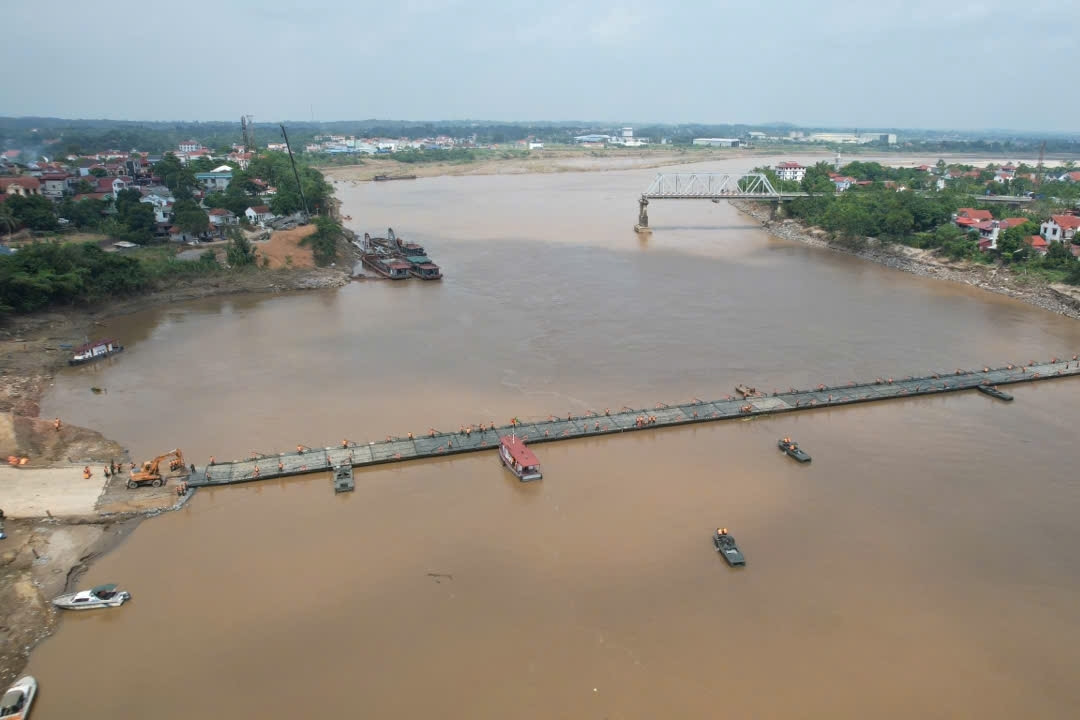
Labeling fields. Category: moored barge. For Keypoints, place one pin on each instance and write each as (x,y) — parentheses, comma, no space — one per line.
(95,351)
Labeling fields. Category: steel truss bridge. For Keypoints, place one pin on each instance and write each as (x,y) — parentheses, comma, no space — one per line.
(708,186)
(726,186)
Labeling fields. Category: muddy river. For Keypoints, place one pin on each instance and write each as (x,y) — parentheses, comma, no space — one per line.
(923,565)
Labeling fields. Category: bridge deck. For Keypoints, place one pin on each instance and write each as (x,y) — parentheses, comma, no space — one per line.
(442,444)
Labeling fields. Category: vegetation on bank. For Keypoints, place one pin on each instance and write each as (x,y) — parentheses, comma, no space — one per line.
(919,219)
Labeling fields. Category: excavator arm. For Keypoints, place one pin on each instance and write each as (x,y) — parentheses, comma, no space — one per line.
(151,471)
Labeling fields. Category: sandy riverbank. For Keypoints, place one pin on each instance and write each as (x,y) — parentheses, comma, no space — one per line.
(57,520)
(1060,299)
(555,160)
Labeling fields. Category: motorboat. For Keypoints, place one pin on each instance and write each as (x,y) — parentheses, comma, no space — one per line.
(793,450)
(15,705)
(94,351)
(725,545)
(101,596)
(519,459)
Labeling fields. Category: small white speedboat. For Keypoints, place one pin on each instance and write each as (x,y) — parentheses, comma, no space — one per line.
(16,702)
(100,597)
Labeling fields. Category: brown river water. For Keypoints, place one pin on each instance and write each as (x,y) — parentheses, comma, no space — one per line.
(924,565)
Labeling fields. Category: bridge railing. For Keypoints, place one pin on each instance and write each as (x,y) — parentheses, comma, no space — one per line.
(707,185)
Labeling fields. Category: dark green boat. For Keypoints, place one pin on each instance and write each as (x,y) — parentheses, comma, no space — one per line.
(994,392)
(725,545)
(793,450)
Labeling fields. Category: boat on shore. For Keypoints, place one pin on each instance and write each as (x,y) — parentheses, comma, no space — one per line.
(519,459)
(725,545)
(16,702)
(102,596)
(793,450)
(94,351)
(994,392)
(423,268)
(385,178)
(386,266)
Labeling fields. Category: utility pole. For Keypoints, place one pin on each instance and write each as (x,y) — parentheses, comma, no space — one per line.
(296,175)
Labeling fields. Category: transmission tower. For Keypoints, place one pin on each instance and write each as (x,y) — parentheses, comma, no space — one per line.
(247,128)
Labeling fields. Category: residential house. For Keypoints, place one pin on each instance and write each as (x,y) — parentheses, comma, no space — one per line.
(1037,244)
(990,230)
(258,214)
(1060,228)
(790,171)
(188,146)
(216,180)
(11,155)
(241,158)
(112,185)
(54,185)
(20,185)
(842,182)
(161,199)
(1070,177)
(220,218)
(966,218)
(91,196)
(536,145)
(179,236)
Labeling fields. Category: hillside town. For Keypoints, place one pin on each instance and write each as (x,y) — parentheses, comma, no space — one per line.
(188,195)
(1038,190)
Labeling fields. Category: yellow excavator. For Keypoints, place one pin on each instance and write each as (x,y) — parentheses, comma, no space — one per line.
(150,473)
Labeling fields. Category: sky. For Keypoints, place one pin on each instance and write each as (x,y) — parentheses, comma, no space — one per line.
(855,64)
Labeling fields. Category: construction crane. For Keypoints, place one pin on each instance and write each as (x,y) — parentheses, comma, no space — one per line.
(1039,167)
(150,473)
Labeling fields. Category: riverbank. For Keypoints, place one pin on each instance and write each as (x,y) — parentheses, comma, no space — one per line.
(926,263)
(67,521)
(553,160)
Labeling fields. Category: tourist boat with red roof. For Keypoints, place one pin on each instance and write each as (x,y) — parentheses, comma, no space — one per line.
(519,459)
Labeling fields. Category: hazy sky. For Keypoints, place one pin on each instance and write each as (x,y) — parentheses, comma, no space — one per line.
(844,63)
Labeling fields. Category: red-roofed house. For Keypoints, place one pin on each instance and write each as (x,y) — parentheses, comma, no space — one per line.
(258,214)
(1071,177)
(54,185)
(1037,244)
(790,171)
(11,154)
(20,185)
(1060,228)
(972,216)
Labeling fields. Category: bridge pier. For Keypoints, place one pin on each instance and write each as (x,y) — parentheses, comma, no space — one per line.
(642,226)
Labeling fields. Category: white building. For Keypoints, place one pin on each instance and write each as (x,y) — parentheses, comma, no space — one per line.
(718,142)
(258,214)
(536,145)
(1060,228)
(190,146)
(790,171)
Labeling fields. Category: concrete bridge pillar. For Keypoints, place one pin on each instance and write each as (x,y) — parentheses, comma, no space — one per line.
(643,216)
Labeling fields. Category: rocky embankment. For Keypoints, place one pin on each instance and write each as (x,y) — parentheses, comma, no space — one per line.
(925,263)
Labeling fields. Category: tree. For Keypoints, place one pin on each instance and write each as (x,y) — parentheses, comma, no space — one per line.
(193,221)
(7,219)
(83,187)
(138,221)
(898,223)
(1011,245)
(238,250)
(817,179)
(324,240)
(98,172)
(174,175)
(33,211)
(940,166)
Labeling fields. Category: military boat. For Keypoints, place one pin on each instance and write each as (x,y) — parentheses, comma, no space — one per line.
(994,392)
(793,450)
(725,545)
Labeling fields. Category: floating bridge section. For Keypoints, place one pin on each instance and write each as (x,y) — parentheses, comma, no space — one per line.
(436,444)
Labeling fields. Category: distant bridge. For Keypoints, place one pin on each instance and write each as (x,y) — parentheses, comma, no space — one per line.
(748,186)
(708,186)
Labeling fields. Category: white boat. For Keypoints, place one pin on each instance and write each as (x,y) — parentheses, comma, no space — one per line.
(16,702)
(100,597)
